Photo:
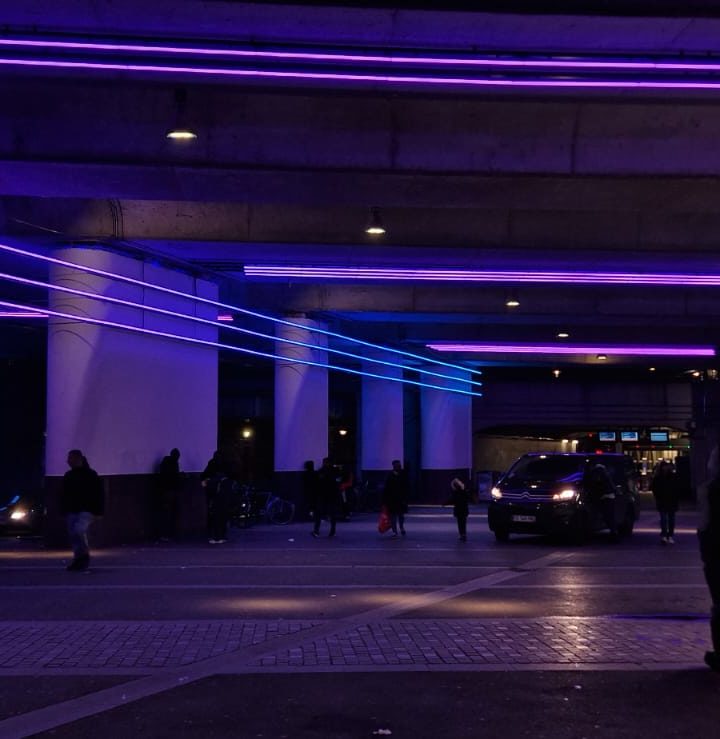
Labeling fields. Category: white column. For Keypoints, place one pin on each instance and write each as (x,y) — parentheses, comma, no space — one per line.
(446,433)
(301,397)
(125,399)
(381,418)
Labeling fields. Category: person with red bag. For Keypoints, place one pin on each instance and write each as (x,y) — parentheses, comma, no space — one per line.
(395,498)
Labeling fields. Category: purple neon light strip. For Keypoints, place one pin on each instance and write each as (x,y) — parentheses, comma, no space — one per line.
(21,314)
(196,319)
(225,306)
(231,347)
(370,78)
(640,351)
(341,58)
(468,275)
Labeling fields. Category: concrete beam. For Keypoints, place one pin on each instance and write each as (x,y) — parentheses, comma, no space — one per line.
(251,22)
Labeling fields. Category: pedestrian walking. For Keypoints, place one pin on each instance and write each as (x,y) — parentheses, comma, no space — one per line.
(328,493)
(395,497)
(169,482)
(460,501)
(81,499)
(709,538)
(666,492)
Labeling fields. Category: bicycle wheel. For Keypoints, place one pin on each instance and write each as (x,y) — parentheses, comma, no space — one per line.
(280,511)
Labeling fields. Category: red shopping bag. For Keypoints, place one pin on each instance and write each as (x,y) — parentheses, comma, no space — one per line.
(384,523)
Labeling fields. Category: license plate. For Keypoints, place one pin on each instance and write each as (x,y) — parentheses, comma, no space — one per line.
(524,519)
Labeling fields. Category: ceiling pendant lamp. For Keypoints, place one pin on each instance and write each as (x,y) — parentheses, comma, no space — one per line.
(375,226)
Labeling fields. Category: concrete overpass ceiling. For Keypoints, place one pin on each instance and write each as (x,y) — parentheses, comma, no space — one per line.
(286,173)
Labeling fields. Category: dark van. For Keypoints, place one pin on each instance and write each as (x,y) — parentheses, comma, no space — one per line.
(571,494)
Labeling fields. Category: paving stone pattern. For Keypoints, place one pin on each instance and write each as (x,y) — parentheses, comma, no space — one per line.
(149,646)
(140,644)
(551,641)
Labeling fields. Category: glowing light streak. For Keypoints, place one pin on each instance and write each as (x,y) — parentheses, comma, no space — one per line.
(231,347)
(213,323)
(227,306)
(607,349)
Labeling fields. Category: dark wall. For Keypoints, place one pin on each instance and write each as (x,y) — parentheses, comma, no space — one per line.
(22,423)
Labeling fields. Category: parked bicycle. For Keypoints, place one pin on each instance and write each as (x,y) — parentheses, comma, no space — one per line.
(250,505)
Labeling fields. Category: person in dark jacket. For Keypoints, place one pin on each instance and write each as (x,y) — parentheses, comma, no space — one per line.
(395,496)
(328,492)
(309,487)
(709,538)
(460,501)
(601,493)
(216,482)
(81,499)
(667,497)
(169,483)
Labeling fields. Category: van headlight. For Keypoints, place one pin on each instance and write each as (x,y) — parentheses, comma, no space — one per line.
(496,493)
(18,514)
(568,494)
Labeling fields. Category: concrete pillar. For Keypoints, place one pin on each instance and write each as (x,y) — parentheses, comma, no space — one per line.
(381,421)
(446,436)
(301,405)
(125,399)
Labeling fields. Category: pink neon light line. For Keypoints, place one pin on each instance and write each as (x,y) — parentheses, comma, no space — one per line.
(332,57)
(21,314)
(374,78)
(667,351)
(466,275)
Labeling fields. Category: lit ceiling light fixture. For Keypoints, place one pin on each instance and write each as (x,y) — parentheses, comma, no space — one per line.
(563,335)
(556,373)
(225,317)
(651,369)
(180,131)
(375,226)
(601,357)
(456,274)
(512,301)
(619,349)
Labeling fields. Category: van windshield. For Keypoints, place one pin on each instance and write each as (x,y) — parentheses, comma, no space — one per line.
(546,468)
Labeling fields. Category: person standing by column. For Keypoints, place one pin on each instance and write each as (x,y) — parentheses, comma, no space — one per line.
(395,496)
(666,492)
(169,482)
(81,499)
(708,499)
(460,501)
(309,488)
(215,480)
(328,492)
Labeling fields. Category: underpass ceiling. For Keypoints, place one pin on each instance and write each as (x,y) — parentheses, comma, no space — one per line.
(289,175)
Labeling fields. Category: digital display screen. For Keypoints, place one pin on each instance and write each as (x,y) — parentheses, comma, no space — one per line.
(628,436)
(606,435)
(658,436)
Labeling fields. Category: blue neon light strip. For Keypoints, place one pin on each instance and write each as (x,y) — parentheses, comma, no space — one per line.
(231,347)
(227,306)
(214,324)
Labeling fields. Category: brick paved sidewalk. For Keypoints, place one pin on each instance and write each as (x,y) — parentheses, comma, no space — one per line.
(131,645)
(145,647)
